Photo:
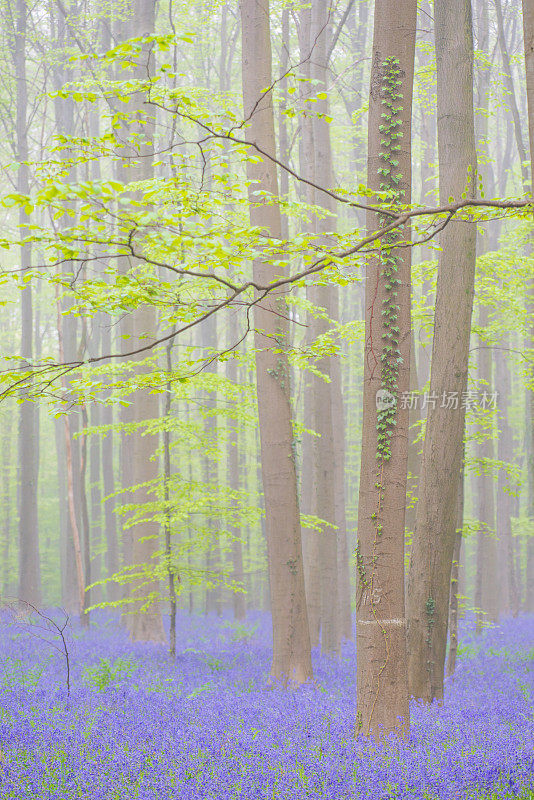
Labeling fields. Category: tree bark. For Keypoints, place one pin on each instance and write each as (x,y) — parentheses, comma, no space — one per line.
(382,690)
(208,337)
(29,588)
(67,327)
(108,479)
(311,538)
(509,85)
(139,455)
(324,296)
(455,572)
(431,560)
(291,643)
(86,526)
(528,35)
(7,489)
(172,575)
(486,582)
(239,598)
(505,454)
(486,595)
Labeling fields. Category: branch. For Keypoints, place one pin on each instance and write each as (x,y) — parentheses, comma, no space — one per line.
(262,290)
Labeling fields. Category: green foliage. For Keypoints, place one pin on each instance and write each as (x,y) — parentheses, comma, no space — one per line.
(14,672)
(188,227)
(239,632)
(108,675)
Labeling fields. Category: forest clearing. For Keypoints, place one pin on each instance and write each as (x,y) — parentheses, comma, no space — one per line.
(267,399)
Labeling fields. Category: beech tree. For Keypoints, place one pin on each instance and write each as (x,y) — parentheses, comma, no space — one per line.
(380,617)
(528,36)
(432,551)
(28,442)
(146,623)
(291,642)
(196,325)
(486,598)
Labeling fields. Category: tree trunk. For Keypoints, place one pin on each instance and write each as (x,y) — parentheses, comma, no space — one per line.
(238,600)
(208,335)
(486,583)
(509,85)
(344,593)
(382,690)
(108,479)
(505,454)
(414,447)
(67,327)
(324,296)
(72,473)
(432,553)
(86,526)
(29,588)
(95,484)
(139,459)
(528,35)
(453,609)
(291,643)
(239,597)
(486,594)
(171,571)
(310,537)
(7,488)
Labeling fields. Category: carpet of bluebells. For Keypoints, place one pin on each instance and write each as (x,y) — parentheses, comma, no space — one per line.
(136,725)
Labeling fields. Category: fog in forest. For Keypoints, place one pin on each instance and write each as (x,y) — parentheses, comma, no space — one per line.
(267,399)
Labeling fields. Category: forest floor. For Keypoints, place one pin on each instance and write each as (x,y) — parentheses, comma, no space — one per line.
(135,725)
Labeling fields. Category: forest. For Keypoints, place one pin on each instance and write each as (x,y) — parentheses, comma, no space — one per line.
(267,400)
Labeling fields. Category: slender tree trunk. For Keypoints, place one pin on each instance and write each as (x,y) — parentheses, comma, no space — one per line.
(291,642)
(94,345)
(67,594)
(486,583)
(96,507)
(238,600)
(67,326)
(86,527)
(528,35)
(108,479)
(171,570)
(421,338)
(208,334)
(324,296)
(509,577)
(95,484)
(340,432)
(239,597)
(486,595)
(7,489)
(509,85)
(139,462)
(432,553)
(72,477)
(311,537)
(505,454)
(382,690)
(453,608)
(29,588)
(147,623)
(414,457)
